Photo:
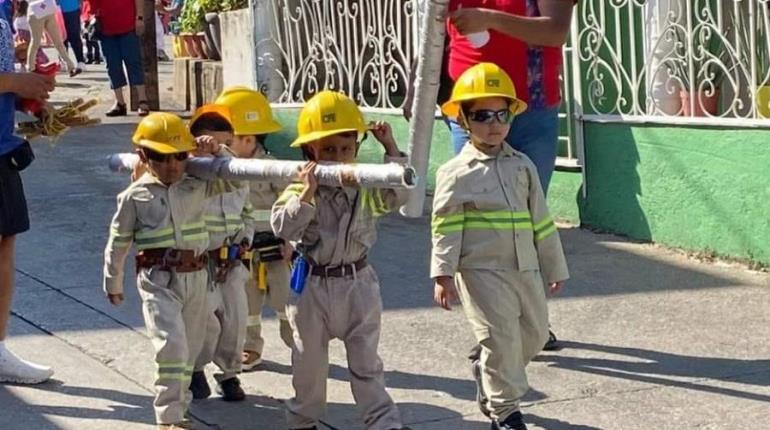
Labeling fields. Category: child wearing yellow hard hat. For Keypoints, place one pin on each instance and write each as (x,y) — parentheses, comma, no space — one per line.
(336,293)
(253,122)
(494,243)
(162,214)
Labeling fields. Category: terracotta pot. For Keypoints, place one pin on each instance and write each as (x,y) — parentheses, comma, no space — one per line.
(188,40)
(704,104)
(763,101)
(200,46)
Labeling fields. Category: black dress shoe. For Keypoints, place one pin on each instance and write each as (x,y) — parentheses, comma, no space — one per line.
(552,344)
(514,421)
(231,390)
(118,110)
(199,386)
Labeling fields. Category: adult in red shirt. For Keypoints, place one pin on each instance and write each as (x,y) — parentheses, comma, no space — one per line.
(122,24)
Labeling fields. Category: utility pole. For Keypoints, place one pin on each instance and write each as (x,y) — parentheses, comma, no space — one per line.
(149,60)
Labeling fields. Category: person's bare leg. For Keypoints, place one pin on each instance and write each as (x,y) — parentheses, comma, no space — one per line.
(12,368)
(7,251)
(119,98)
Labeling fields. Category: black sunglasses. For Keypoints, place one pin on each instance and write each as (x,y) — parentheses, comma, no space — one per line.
(164,158)
(486,116)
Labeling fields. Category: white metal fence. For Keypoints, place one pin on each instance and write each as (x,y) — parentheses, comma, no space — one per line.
(702,61)
(361,47)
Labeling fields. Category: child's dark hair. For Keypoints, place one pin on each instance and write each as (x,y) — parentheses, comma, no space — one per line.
(210,121)
(21,8)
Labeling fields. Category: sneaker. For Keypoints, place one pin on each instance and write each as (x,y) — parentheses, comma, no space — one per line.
(515,421)
(250,360)
(82,66)
(15,370)
(199,386)
(231,390)
(552,344)
(182,425)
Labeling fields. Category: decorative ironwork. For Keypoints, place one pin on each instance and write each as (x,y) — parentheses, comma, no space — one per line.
(699,58)
(362,47)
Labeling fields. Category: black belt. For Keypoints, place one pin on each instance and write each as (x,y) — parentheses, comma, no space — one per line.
(339,271)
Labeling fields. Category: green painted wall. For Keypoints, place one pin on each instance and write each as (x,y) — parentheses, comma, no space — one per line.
(701,189)
(564,186)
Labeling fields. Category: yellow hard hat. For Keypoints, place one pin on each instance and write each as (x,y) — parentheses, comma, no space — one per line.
(480,81)
(250,112)
(326,114)
(220,110)
(165,133)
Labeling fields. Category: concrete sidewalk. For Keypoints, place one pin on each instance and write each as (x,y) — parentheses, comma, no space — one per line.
(653,339)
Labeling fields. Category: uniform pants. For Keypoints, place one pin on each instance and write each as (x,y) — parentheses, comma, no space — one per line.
(509,317)
(226,327)
(174,308)
(348,309)
(37,26)
(276,296)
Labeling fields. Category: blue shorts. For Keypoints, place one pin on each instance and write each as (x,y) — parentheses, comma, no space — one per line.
(535,133)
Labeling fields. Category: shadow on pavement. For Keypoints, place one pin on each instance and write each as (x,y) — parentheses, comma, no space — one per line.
(656,367)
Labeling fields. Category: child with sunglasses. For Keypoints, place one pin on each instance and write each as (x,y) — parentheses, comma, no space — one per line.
(494,242)
(162,213)
(336,293)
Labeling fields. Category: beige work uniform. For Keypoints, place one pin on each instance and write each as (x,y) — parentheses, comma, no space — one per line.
(229,219)
(492,232)
(339,228)
(152,215)
(275,293)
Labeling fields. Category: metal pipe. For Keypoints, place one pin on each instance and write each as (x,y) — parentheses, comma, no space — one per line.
(390,175)
(426,89)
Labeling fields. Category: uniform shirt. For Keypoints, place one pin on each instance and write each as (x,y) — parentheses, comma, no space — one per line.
(230,217)
(339,227)
(262,196)
(534,70)
(8,142)
(151,215)
(489,212)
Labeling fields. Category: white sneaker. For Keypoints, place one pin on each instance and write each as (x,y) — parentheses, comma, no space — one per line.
(14,369)
(82,66)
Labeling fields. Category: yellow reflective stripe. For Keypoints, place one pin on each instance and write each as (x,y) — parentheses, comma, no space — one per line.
(260,215)
(197,236)
(216,229)
(119,238)
(544,228)
(481,220)
(253,320)
(175,376)
(447,224)
(291,190)
(168,231)
(233,217)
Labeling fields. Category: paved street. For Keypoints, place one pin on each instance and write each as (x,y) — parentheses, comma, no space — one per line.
(653,339)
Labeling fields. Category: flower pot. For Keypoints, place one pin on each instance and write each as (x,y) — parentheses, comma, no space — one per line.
(214,35)
(188,41)
(200,46)
(179,48)
(706,104)
(763,101)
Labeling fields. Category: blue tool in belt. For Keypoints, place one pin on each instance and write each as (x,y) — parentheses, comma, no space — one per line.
(299,272)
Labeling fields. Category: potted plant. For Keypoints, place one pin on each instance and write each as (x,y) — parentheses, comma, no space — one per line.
(700,90)
(190,24)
